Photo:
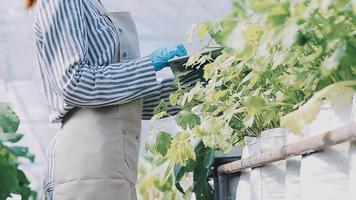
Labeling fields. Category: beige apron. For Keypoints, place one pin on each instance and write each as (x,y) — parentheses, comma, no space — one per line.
(95,154)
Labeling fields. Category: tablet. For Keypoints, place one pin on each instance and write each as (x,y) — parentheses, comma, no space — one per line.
(178,64)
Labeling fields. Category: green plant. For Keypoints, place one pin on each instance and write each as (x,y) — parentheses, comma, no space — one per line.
(12,179)
(278,55)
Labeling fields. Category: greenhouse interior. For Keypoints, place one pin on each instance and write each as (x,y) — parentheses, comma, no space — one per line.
(178,100)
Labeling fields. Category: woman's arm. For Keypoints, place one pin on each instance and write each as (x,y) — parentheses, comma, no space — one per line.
(151,102)
(62,49)
(167,87)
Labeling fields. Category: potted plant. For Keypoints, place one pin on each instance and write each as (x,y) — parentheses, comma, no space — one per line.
(12,179)
(278,55)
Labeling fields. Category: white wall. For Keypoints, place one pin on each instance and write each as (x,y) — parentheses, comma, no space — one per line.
(162,22)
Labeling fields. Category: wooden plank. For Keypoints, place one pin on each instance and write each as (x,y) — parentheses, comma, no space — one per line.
(304,146)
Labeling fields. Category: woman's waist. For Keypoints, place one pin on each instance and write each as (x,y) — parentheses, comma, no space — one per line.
(130,112)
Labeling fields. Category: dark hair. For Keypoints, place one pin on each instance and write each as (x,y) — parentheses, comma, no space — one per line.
(30,3)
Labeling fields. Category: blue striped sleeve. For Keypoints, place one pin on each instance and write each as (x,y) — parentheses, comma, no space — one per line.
(167,88)
(151,102)
(63,52)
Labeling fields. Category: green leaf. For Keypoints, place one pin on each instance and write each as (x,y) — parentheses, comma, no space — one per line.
(9,121)
(24,190)
(8,179)
(162,107)
(339,94)
(254,104)
(179,188)
(167,185)
(279,14)
(12,180)
(10,137)
(209,158)
(221,95)
(262,5)
(181,150)
(187,119)
(163,143)
(34,195)
(159,115)
(209,70)
(214,133)
(193,59)
(201,187)
(202,31)
(22,178)
(179,170)
(333,61)
(22,152)
(349,60)
(173,98)
(309,58)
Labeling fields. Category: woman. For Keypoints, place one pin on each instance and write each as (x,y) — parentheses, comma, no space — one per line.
(99,89)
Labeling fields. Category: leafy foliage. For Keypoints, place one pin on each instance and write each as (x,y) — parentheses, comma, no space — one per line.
(9,121)
(281,59)
(181,150)
(187,119)
(12,179)
(164,141)
(339,94)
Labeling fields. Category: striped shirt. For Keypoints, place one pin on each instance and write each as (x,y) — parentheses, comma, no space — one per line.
(75,46)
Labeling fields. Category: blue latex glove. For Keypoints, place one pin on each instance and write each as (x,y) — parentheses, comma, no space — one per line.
(161,56)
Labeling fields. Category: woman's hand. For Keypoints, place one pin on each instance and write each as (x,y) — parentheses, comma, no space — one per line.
(161,56)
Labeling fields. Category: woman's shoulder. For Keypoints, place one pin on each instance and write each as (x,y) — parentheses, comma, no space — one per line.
(61,1)
(66,8)
(53,5)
